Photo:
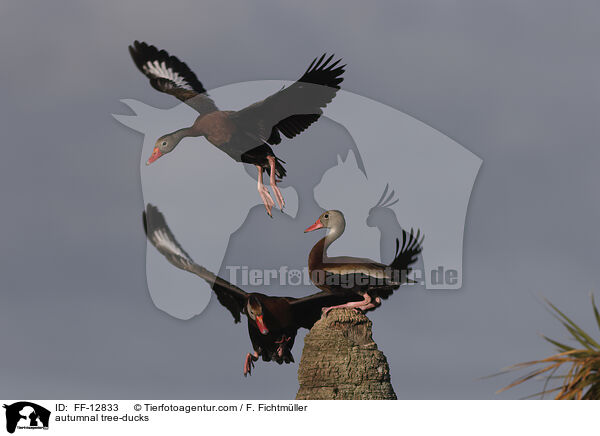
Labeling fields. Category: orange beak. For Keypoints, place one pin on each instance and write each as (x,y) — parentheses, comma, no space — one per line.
(317,225)
(156,153)
(261,325)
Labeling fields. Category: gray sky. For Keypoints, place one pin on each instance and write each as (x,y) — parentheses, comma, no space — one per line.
(517,84)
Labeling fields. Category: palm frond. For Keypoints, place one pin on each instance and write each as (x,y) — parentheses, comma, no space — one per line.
(582,380)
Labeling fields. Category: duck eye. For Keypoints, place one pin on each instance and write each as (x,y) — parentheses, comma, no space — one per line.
(326,216)
(164,143)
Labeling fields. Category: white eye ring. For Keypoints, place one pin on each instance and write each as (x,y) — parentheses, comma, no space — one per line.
(164,143)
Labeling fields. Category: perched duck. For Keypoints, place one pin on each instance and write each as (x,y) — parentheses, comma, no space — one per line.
(244,135)
(272,321)
(372,280)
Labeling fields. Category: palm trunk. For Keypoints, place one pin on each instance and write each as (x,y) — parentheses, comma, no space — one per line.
(340,361)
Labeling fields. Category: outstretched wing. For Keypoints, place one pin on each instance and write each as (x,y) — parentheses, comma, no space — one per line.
(169,75)
(291,110)
(412,246)
(159,235)
(406,255)
(359,275)
(307,310)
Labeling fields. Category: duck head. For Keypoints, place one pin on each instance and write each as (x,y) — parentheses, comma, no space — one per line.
(165,144)
(331,219)
(255,312)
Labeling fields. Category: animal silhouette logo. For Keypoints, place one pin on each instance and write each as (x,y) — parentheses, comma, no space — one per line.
(383,217)
(26,415)
(430,175)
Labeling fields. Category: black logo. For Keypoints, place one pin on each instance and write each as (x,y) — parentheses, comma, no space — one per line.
(26,415)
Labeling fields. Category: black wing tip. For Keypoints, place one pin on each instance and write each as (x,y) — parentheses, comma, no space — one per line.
(142,46)
(416,241)
(145,221)
(140,49)
(151,209)
(153,218)
(142,52)
(320,64)
(412,245)
(138,44)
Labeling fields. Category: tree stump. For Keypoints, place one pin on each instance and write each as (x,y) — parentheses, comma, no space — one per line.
(340,361)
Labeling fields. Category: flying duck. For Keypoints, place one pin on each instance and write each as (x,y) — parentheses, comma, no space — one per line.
(372,280)
(272,321)
(245,135)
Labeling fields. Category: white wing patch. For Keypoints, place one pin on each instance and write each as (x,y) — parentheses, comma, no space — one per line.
(162,240)
(160,69)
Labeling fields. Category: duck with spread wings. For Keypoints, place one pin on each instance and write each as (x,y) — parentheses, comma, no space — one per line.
(272,321)
(245,135)
(347,274)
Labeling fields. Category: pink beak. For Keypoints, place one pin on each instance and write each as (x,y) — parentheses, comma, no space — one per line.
(317,225)
(261,325)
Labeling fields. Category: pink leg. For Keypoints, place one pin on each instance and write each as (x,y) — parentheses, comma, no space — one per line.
(356,305)
(264,192)
(249,363)
(273,183)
